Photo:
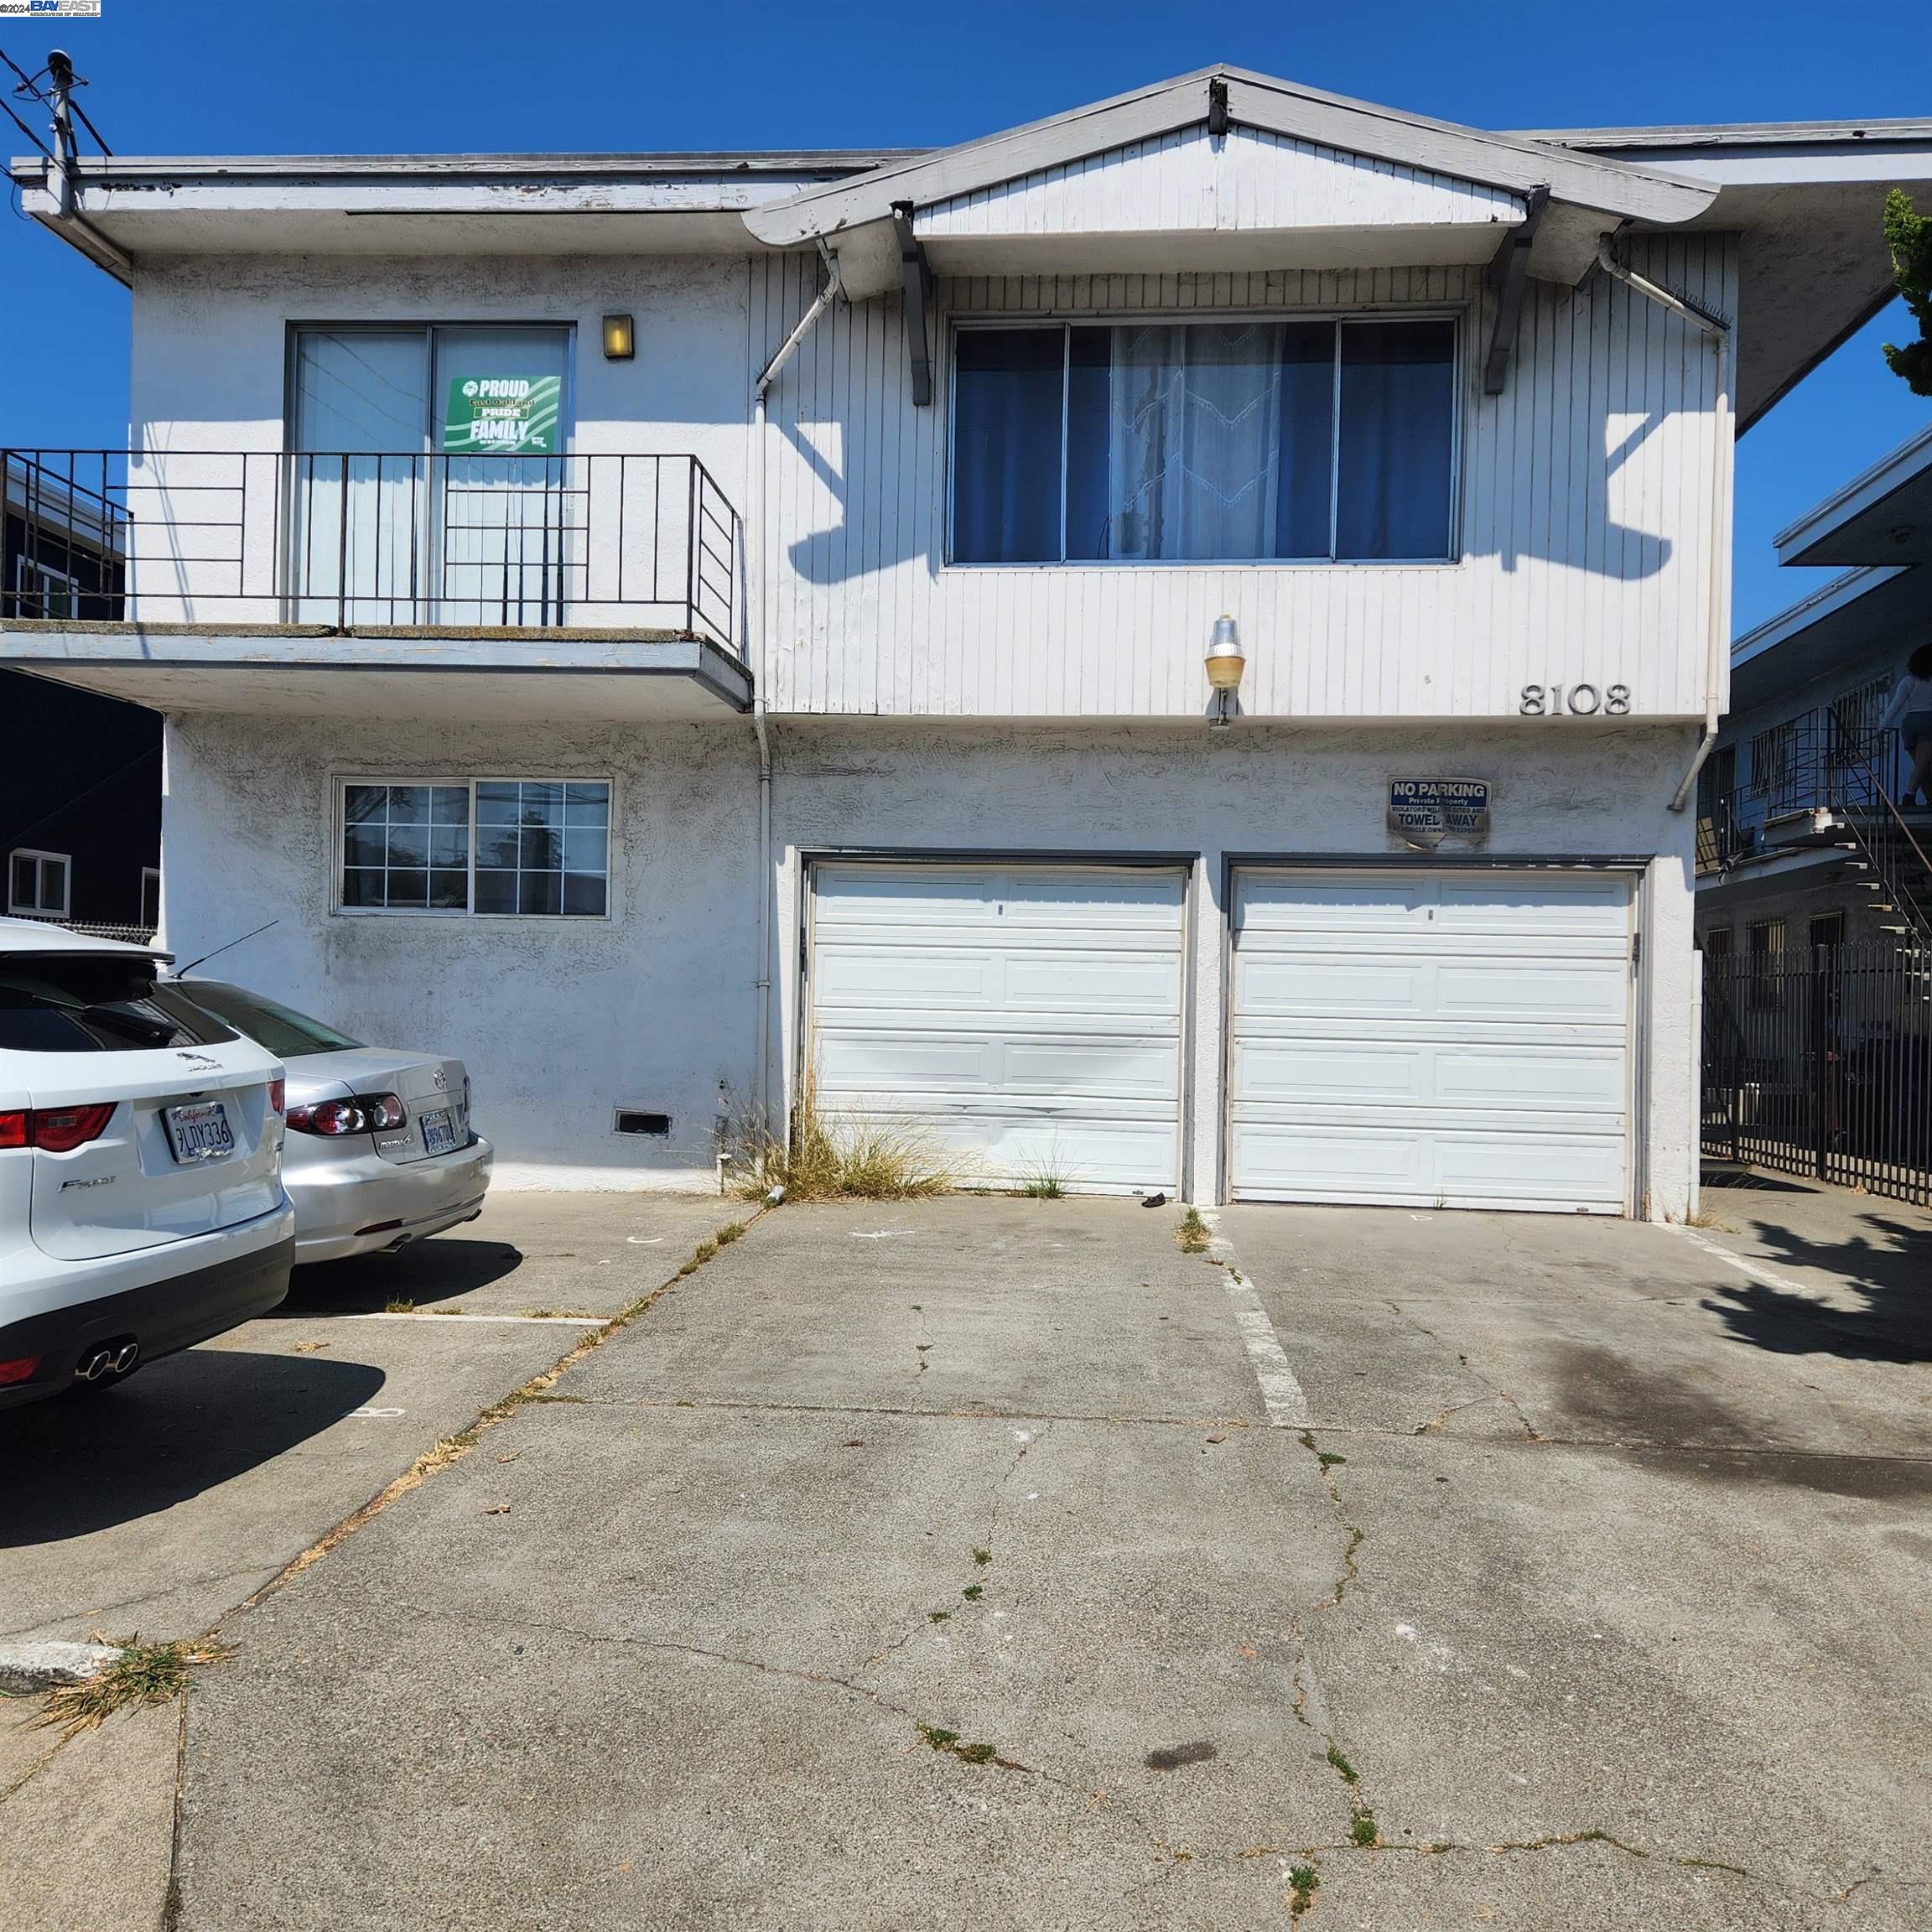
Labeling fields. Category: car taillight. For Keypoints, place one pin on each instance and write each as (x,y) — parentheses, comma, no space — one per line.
(364,1114)
(21,1366)
(278,1096)
(55,1129)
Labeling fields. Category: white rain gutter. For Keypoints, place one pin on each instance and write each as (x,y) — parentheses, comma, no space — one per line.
(1715,641)
(754,540)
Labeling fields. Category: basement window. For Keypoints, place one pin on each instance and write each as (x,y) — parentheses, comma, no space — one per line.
(655,1126)
(1247,440)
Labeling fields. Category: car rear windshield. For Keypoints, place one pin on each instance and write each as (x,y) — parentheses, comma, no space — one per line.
(67,1002)
(286,1034)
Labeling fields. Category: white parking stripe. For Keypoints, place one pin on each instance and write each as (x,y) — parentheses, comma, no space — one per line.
(412,1314)
(1755,1269)
(1282,1395)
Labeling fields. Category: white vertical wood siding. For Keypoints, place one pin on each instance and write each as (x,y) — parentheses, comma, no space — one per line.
(1584,507)
(1186,182)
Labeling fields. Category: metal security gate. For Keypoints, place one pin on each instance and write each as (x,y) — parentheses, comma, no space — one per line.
(1818,1061)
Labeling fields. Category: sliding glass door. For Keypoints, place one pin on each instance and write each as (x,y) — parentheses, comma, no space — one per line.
(428,481)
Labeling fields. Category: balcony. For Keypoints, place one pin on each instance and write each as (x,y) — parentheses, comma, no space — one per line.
(272,581)
(1824,789)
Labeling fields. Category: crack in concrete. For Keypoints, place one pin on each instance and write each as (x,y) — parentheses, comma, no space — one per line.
(1000,1489)
(761,1407)
(1553,1841)
(1492,1393)
(822,1679)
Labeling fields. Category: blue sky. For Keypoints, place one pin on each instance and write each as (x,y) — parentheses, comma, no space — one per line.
(238,76)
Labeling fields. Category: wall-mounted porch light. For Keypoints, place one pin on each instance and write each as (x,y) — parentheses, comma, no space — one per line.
(620,339)
(1226,660)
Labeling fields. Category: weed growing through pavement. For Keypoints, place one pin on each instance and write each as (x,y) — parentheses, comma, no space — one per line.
(982,1557)
(846,1158)
(973,1592)
(143,1674)
(1303,1880)
(1193,1233)
(1362,1828)
(1341,1765)
(398,1304)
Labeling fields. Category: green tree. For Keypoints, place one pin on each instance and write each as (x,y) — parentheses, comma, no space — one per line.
(1909,235)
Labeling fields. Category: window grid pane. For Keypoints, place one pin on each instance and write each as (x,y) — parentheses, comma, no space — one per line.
(405,848)
(542,848)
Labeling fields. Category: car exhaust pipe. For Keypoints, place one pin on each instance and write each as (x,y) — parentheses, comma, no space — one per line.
(110,1358)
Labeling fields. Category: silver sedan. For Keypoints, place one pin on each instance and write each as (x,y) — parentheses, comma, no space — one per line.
(380,1152)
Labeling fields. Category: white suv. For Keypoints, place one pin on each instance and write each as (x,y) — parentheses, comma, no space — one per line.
(141,1200)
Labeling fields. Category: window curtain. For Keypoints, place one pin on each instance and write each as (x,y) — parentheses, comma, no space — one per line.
(1194,441)
(1392,495)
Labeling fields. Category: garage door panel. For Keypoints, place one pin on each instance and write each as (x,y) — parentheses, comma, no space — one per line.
(1541,990)
(1276,1073)
(1281,1073)
(1317,985)
(1025,1017)
(888,1067)
(1086,898)
(1431,1036)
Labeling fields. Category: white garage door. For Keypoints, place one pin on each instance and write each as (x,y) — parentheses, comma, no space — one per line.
(1453,1038)
(1028,1015)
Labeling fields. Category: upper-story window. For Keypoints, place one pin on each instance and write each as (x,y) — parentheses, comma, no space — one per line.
(1237,441)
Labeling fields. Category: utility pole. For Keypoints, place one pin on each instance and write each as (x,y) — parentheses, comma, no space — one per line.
(66,153)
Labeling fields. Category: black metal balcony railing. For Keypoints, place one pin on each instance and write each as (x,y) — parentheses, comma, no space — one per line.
(351,540)
(1825,782)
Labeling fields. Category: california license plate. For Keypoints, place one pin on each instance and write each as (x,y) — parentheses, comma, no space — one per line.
(439,1133)
(198,1131)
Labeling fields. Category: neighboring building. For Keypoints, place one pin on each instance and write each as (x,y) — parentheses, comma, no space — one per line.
(80,808)
(1802,838)
(653,623)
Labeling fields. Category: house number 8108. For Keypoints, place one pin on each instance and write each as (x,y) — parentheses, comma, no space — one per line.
(1578,700)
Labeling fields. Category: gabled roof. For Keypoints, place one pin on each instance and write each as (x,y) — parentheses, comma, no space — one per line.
(1256,101)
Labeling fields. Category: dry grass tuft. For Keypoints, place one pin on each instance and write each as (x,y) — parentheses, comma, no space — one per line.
(847,1158)
(143,1674)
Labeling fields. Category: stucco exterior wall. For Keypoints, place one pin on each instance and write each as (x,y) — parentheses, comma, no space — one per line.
(562,1021)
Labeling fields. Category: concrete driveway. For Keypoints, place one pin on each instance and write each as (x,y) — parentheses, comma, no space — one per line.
(998,1563)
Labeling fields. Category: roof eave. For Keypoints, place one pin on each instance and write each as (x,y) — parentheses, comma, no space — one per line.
(1254,101)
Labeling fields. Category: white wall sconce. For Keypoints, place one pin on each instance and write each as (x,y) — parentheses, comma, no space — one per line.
(620,339)
(1226,660)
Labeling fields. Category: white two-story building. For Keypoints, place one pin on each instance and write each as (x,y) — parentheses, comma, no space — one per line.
(664,627)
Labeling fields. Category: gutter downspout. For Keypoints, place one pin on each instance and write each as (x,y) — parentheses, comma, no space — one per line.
(833,288)
(1719,331)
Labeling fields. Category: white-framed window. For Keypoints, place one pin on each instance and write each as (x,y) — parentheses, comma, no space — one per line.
(519,847)
(42,591)
(151,897)
(1240,438)
(38,883)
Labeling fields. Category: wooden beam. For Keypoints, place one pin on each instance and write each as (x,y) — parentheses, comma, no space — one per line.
(1509,271)
(916,273)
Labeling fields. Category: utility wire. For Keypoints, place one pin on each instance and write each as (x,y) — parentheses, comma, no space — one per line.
(81,114)
(23,128)
(30,85)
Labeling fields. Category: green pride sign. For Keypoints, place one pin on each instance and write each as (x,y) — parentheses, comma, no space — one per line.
(503,415)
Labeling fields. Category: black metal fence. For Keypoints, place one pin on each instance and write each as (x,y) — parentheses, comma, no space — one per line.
(350,540)
(1818,1062)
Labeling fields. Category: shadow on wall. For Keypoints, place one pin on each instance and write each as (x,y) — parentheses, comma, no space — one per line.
(900,516)
(190,1422)
(1889,1268)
